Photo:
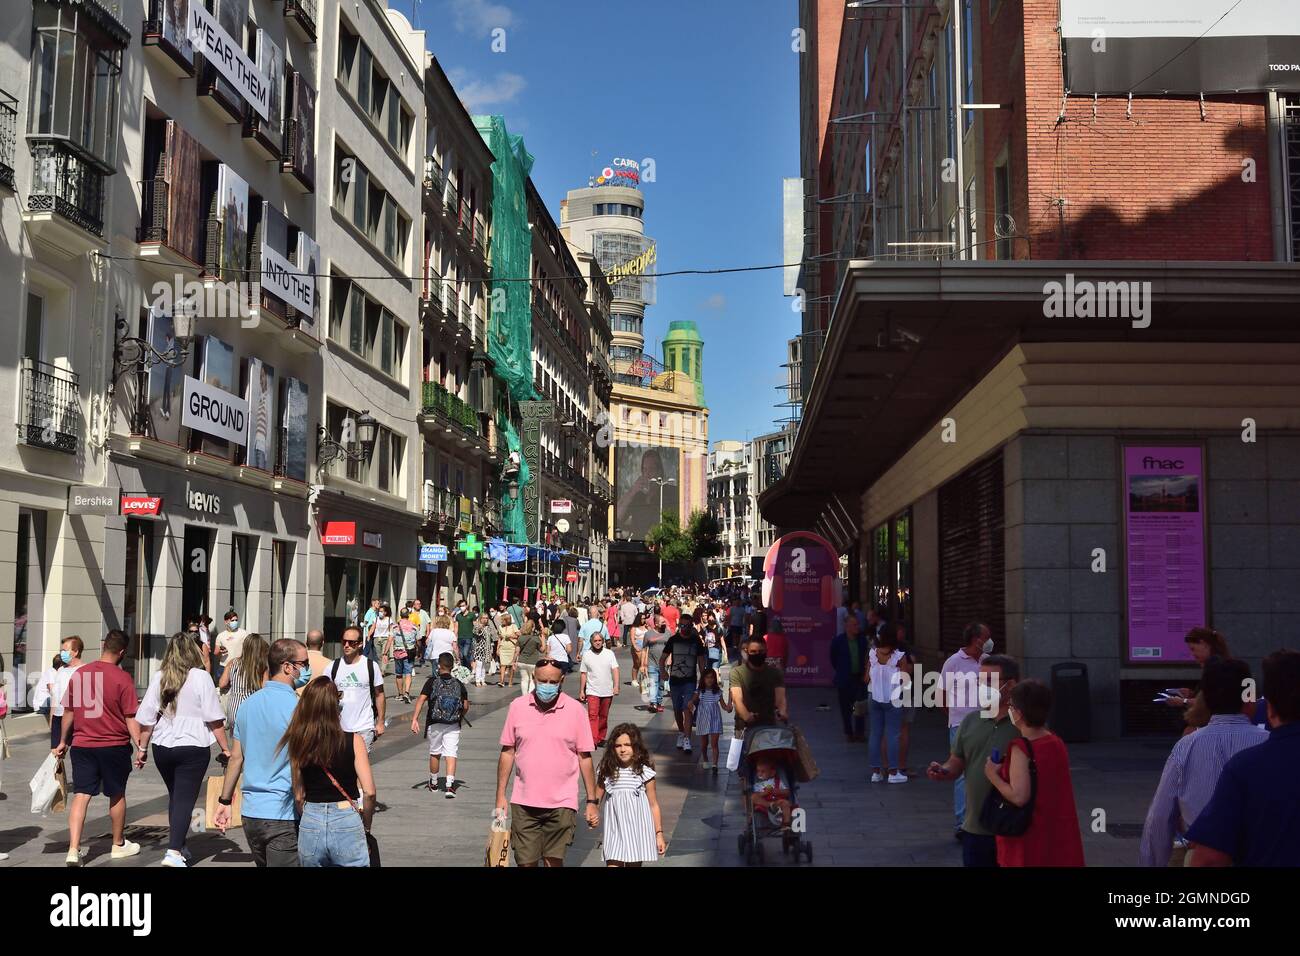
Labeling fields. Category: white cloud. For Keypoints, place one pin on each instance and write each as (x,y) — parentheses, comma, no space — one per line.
(717,302)
(479,17)
(478,94)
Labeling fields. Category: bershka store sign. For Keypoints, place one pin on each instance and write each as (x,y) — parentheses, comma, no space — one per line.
(215,411)
(219,49)
(141,505)
(287,282)
(339,533)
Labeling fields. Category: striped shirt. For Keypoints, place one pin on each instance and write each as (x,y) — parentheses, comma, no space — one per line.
(1188,781)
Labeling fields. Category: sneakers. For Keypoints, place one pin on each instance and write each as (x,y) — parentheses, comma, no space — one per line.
(76,857)
(680,739)
(173,858)
(125,850)
(686,745)
(706,765)
(898,778)
(876,776)
(658,709)
(451,792)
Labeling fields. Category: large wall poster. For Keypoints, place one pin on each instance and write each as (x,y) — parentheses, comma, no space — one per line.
(270,60)
(638,493)
(218,370)
(1164,525)
(232,207)
(294,404)
(801,588)
(259,392)
(164,380)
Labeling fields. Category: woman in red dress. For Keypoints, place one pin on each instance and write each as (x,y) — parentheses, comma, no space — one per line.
(1053,836)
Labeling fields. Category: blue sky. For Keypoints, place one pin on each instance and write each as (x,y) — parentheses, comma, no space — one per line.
(709,90)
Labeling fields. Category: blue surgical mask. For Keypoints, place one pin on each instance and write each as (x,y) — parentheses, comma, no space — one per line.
(233,624)
(546,692)
(304,676)
(65,656)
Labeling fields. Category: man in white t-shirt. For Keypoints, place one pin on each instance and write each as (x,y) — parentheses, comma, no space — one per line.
(960,684)
(559,646)
(627,613)
(598,685)
(70,653)
(362,683)
(230,643)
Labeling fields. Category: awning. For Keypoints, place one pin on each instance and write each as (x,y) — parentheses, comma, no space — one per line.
(908,339)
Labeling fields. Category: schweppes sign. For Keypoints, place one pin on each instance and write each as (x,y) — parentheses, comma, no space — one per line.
(633,267)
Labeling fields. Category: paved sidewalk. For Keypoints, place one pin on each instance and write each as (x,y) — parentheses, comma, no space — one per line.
(850,821)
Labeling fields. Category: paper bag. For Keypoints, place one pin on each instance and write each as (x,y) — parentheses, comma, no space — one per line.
(808,769)
(215,784)
(44,785)
(498,848)
(733,755)
(60,802)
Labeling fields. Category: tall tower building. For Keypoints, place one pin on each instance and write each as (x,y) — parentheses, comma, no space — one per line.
(684,353)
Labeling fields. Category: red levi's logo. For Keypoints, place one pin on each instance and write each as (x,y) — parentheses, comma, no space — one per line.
(141,505)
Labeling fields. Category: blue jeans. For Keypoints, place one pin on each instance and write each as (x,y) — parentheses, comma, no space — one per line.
(958,788)
(331,836)
(886,719)
(656,685)
(979,850)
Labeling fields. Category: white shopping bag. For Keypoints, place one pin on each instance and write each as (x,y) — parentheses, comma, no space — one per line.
(644,684)
(733,755)
(45,786)
(493,667)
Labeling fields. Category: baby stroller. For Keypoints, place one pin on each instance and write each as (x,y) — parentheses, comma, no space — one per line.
(777,744)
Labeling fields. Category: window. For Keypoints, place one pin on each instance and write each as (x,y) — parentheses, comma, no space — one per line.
(281,568)
(340,291)
(243,549)
(968,58)
(348,45)
(948,79)
(195,564)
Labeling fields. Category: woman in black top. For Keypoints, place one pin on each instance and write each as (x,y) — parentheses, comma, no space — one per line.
(331,772)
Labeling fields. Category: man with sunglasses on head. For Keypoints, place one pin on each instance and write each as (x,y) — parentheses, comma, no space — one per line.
(362,684)
(261,766)
(547,735)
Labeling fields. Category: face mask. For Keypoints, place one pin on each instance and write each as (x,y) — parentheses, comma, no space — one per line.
(304,676)
(547,692)
(65,656)
(988,646)
(757,660)
(233,624)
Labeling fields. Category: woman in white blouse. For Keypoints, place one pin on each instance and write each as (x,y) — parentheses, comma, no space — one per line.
(889,675)
(181,714)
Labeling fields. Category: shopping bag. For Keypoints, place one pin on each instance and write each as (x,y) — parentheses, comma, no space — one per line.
(372,847)
(60,802)
(644,684)
(45,785)
(498,845)
(733,755)
(493,667)
(808,769)
(215,785)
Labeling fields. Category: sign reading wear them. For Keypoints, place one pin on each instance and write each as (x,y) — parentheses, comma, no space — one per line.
(561,506)
(339,532)
(90,500)
(1180,46)
(215,412)
(219,49)
(1164,529)
(286,281)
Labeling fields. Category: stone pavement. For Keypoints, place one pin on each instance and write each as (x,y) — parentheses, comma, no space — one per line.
(850,822)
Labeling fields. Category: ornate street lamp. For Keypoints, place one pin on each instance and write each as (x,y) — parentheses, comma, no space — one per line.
(329,450)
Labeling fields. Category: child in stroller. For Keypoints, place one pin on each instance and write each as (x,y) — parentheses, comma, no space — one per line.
(768,768)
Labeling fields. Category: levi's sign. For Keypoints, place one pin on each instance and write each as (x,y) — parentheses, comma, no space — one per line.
(219,49)
(215,411)
(141,505)
(287,282)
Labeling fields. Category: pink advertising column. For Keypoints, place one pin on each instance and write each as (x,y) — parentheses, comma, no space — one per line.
(801,586)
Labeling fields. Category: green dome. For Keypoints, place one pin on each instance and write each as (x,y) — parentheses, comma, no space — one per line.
(683,348)
(683,331)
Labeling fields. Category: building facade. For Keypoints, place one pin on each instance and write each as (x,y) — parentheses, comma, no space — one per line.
(731,465)
(987,451)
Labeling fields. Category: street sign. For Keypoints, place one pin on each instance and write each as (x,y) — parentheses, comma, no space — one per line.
(561,506)
(431,553)
(563,525)
(584,564)
(570,575)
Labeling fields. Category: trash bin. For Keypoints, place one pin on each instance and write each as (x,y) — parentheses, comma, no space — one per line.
(1071,716)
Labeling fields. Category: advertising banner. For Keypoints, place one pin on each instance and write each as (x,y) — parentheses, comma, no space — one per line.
(561,506)
(801,588)
(164,380)
(232,206)
(259,393)
(270,62)
(294,404)
(219,48)
(638,495)
(284,280)
(141,505)
(433,553)
(1180,46)
(214,411)
(1164,526)
(308,255)
(339,532)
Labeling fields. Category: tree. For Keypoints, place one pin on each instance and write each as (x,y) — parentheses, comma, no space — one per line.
(706,535)
(667,540)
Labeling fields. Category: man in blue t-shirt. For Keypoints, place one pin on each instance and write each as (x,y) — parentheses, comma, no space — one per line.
(595,624)
(1253,818)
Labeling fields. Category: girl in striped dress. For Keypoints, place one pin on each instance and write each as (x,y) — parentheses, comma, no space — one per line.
(625,782)
(706,709)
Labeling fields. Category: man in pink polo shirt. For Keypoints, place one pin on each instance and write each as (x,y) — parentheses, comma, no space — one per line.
(547,742)
(960,678)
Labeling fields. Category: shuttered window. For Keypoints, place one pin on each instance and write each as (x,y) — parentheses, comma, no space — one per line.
(971,553)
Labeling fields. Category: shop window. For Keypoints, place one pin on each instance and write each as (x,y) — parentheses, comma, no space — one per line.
(243,552)
(137,619)
(196,561)
(281,570)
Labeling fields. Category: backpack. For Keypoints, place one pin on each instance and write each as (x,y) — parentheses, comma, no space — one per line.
(370,678)
(683,666)
(445,700)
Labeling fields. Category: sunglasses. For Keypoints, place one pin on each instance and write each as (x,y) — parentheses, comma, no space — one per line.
(351,643)
(548,662)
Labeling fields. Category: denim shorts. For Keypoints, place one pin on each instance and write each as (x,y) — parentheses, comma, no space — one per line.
(402,666)
(682,689)
(330,835)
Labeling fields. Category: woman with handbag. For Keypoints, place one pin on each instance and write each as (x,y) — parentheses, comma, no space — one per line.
(507,649)
(244,676)
(401,648)
(331,775)
(1031,809)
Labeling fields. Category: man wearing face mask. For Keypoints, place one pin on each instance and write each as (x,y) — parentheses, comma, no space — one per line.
(547,736)
(959,685)
(230,643)
(982,731)
(70,655)
(261,766)
(757,688)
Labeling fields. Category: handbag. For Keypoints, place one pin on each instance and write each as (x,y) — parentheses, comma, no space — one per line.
(372,845)
(1004,818)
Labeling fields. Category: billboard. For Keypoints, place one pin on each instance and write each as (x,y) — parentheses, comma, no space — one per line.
(636,493)
(293,401)
(164,381)
(259,393)
(232,202)
(1180,46)
(801,588)
(620,172)
(1164,528)
(217,372)
(270,60)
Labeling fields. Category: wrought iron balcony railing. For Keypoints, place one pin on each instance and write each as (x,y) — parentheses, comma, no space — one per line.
(8,137)
(68,186)
(51,408)
(437,400)
(153,211)
(303,14)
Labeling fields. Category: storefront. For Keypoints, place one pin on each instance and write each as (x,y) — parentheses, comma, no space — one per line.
(191,544)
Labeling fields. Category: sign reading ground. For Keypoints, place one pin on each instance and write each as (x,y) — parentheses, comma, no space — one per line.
(215,412)
(1180,46)
(219,49)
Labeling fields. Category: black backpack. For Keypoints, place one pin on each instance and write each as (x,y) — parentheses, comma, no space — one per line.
(445,698)
(683,666)
(370,678)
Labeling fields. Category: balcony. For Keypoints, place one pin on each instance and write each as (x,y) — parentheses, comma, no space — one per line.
(301,17)
(441,507)
(438,401)
(66,205)
(296,164)
(8,137)
(167,44)
(51,408)
(435,182)
(601,488)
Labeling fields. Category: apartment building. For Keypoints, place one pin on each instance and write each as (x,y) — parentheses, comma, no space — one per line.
(731,502)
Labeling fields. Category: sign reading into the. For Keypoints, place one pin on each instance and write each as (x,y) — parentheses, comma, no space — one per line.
(286,281)
(219,49)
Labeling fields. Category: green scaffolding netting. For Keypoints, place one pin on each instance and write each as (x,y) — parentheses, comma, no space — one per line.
(510,331)
(510,339)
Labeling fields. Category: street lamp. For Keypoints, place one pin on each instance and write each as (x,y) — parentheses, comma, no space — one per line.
(661,482)
(329,449)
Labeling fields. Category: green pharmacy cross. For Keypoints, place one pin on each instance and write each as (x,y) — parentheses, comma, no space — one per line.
(471,546)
